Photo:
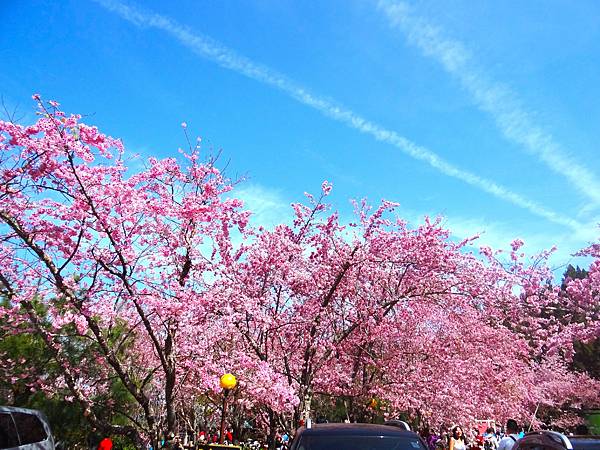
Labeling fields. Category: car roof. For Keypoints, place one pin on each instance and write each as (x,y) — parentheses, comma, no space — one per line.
(581,442)
(545,438)
(35,412)
(21,410)
(355,429)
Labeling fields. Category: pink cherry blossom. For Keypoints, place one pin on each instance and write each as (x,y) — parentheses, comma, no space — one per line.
(311,309)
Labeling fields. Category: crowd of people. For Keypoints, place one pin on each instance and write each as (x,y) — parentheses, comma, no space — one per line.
(456,438)
(173,442)
(492,437)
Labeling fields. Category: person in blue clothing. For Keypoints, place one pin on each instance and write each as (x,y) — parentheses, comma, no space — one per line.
(490,441)
(511,436)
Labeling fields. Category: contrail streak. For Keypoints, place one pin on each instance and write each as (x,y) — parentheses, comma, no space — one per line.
(212,50)
(492,97)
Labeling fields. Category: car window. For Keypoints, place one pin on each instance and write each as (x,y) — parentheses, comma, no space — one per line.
(336,442)
(31,429)
(8,432)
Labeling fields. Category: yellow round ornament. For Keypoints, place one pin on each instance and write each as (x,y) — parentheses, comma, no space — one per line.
(228,381)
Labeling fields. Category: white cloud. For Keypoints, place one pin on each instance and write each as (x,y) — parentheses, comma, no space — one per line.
(499,235)
(268,206)
(214,51)
(503,105)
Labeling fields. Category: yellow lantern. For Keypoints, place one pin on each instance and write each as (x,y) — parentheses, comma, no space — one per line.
(374,403)
(228,381)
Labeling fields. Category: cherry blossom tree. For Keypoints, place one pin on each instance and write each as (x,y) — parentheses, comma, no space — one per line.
(584,298)
(126,258)
(376,309)
(158,278)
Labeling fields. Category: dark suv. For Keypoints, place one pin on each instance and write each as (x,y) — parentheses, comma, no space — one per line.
(356,436)
(585,442)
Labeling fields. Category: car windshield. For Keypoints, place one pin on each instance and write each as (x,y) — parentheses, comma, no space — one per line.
(337,442)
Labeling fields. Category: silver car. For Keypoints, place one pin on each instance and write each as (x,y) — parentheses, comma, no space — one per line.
(24,429)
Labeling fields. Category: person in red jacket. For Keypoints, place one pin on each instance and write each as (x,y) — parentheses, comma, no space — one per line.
(105,444)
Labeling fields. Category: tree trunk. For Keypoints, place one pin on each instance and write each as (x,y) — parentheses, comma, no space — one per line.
(170,378)
(272,438)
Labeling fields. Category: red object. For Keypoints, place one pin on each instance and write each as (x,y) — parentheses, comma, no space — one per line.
(105,444)
(229,436)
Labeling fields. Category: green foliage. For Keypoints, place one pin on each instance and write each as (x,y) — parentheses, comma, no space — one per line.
(31,362)
(587,357)
(66,419)
(573,273)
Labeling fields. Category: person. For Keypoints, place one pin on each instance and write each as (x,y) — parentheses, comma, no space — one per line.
(457,439)
(511,436)
(444,438)
(425,433)
(478,442)
(430,438)
(169,442)
(93,440)
(285,439)
(490,442)
(177,444)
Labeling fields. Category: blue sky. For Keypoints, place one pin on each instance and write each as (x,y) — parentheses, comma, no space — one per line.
(483,112)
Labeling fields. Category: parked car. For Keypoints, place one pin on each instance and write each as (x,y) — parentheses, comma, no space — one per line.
(24,429)
(543,440)
(356,436)
(585,442)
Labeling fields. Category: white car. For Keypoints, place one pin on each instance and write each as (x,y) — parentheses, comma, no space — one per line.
(24,429)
